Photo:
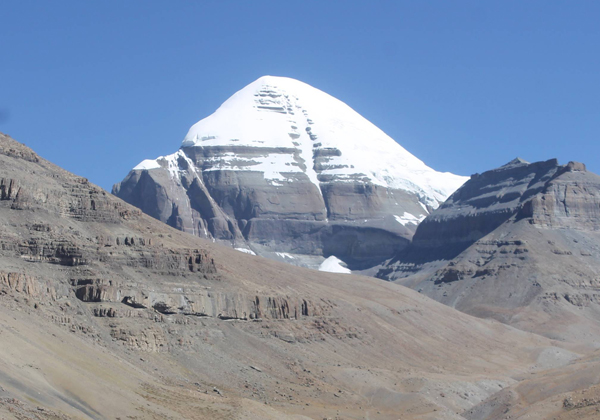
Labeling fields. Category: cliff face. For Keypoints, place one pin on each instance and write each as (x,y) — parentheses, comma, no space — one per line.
(570,201)
(520,243)
(353,222)
(283,168)
(484,203)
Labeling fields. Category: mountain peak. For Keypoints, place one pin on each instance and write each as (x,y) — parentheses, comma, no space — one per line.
(267,78)
(287,171)
(331,139)
(515,162)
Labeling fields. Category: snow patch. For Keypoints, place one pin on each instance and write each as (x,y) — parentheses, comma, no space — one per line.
(170,162)
(147,164)
(245,251)
(285,255)
(272,165)
(407,218)
(334,265)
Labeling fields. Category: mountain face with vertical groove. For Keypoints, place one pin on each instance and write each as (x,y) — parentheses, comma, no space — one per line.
(286,171)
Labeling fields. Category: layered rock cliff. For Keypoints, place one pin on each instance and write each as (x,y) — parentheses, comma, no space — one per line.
(520,243)
(286,171)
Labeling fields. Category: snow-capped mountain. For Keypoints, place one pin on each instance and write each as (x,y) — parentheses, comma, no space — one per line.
(287,171)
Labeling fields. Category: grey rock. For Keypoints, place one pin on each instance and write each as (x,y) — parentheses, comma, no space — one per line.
(520,244)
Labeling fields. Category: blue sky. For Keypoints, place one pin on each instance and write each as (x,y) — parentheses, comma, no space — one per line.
(466,86)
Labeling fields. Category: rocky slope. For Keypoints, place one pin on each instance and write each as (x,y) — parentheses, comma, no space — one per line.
(520,244)
(568,392)
(107,313)
(286,171)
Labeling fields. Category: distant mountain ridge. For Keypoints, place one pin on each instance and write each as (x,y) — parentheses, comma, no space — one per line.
(286,171)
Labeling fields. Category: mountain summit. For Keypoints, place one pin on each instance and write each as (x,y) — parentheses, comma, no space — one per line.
(330,139)
(287,171)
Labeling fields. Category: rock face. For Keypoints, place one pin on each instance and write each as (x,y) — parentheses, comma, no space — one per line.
(520,243)
(283,168)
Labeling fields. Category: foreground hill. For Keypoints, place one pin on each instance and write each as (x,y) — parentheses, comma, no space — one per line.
(108,313)
(286,171)
(520,244)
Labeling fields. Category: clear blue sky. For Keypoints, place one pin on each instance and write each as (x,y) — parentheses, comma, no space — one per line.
(98,86)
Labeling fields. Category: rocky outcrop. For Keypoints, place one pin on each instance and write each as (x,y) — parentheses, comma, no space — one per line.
(75,198)
(485,202)
(150,340)
(519,240)
(196,303)
(29,286)
(284,168)
(9,189)
(570,200)
(17,150)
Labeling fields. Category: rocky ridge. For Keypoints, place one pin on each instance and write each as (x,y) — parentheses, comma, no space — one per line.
(521,244)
